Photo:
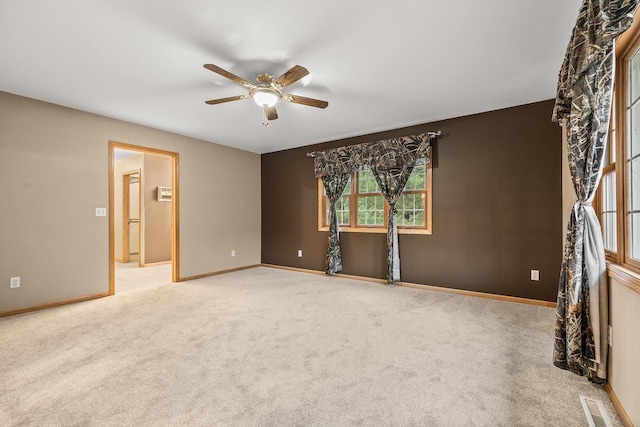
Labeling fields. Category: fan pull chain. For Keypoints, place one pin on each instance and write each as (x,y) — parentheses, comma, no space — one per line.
(265,119)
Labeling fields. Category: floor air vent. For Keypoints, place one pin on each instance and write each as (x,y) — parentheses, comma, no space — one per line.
(595,412)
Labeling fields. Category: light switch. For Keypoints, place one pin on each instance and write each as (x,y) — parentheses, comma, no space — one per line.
(101,211)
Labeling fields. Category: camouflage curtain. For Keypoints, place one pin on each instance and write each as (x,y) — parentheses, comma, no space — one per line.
(334,186)
(391,183)
(391,161)
(583,104)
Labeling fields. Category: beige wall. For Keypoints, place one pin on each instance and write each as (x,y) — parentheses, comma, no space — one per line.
(119,168)
(157,214)
(54,173)
(624,370)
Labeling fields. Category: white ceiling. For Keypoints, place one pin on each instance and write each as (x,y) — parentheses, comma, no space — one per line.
(380,65)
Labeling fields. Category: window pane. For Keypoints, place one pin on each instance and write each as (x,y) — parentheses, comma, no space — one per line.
(404,218)
(371,217)
(410,210)
(371,210)
(342,211)
(610,232)
(635,77)
(409,201)
(362,181)
(379,203)
(633,166)
(420,174)
(634,233)
(367,182)
(379,218)
(410,182)
(609,192)
(416,180)
(399,219)
(371,203)
(634,140)
(347,189)
(609,224)
(634,184)
(610,151)
(612,147)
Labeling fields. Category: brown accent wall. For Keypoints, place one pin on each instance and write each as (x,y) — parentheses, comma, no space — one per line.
(157,214)
(497,208)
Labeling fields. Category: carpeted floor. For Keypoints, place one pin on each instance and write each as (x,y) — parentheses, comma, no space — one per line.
(130,276)
(278,348)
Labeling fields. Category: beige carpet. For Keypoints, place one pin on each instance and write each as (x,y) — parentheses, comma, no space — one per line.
(129,276)
(278,348)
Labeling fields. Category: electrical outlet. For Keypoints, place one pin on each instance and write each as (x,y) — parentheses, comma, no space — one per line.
(233,252)
(14,282)
(535,275)
(299,253)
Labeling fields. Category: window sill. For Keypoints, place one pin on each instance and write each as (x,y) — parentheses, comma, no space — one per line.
(625,276)
(380,230)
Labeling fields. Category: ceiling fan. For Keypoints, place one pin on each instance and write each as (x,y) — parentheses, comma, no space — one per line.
(268,91)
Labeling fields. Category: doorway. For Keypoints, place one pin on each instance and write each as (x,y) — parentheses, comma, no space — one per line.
(131,217)
(143,212)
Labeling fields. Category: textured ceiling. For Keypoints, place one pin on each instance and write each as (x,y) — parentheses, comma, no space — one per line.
(380,65)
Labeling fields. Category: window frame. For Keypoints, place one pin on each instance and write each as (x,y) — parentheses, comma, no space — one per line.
(355,228)
(619,133)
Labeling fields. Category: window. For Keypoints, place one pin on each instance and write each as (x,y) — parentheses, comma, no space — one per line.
(342,206)
(632,156)
(608,211)
(362,207)
(411,204)
(370,205)
(618,198)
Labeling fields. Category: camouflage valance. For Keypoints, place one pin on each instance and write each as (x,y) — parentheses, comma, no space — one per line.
(585,80)
(394,153)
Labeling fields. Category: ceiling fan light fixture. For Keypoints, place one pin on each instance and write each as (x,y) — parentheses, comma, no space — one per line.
(265,96)
(268,91)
